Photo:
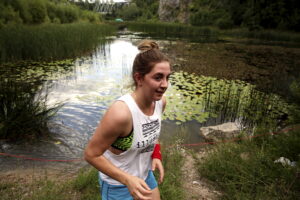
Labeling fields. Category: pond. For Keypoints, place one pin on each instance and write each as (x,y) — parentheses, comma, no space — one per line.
(203,91)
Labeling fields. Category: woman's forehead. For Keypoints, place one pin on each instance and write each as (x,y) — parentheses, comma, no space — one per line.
(163,67)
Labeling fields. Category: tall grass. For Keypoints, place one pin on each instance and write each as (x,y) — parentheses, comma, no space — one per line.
(209,34)
(23,110)
(246,170)
(85,185)
(42,187)
(265,35)
(50,41)
(172,30)
(171,188)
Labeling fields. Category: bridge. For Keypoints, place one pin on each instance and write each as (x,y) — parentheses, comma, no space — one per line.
(104,6)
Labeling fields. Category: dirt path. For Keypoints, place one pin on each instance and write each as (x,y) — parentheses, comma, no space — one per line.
(196,187)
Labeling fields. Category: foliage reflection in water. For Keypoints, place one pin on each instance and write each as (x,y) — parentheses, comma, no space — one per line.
(24,112)
(201,98)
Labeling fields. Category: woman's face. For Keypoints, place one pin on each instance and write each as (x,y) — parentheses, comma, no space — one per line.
(155,83)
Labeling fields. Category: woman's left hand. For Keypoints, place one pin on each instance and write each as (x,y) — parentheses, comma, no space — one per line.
(156,163)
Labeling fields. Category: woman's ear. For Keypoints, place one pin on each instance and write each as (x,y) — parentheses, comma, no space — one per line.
(138,78)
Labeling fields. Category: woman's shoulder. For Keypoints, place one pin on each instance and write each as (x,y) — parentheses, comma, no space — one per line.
(119,112)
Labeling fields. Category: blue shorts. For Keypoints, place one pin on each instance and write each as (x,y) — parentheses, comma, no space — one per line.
(120,192)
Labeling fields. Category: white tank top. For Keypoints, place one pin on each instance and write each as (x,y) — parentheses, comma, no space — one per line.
(137,160)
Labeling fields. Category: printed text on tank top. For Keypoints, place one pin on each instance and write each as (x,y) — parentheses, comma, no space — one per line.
(123,143)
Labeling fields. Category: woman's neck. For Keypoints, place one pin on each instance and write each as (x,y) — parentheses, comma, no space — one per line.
(145,104)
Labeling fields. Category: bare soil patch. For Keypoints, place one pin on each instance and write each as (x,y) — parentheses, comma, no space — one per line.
(195,186)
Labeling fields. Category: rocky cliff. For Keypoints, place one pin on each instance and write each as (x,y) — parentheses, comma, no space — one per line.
(174,10)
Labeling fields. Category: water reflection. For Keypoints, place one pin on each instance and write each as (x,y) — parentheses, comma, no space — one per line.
(86,92)
(96,82)
(98,79)
(212,101)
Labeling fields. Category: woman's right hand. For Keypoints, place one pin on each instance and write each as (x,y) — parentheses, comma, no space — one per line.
(138,188)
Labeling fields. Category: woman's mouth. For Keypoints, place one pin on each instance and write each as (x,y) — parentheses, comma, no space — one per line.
(160,92)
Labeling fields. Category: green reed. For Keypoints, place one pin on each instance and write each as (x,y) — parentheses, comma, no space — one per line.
(172,30)
(50,41)
(209,34)
(24,111)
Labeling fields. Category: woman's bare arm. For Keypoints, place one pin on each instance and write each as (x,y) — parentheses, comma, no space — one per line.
(116,121)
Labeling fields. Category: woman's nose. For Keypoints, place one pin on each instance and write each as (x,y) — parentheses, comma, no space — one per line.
(164,83)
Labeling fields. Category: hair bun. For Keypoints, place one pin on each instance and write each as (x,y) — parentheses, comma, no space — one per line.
(147,45)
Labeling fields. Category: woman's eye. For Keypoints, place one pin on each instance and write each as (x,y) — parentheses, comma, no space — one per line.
(157,78)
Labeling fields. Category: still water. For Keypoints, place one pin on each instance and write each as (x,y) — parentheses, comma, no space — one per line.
(97,80)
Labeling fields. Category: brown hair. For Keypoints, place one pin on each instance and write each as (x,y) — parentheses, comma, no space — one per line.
(149,56)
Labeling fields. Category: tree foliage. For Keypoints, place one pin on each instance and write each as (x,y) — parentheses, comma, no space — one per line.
(254,14)
(139,10)
(41,11)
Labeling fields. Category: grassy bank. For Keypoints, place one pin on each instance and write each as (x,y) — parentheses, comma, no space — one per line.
(265,35)
(209,33)
(246,170)
(251,169)
(85,185)
(50,41)
(172,30)
(41,187)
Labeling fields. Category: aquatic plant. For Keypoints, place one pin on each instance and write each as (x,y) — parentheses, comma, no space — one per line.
(24,111)
(49,42)
(200,98)
(36,71)
(172,30)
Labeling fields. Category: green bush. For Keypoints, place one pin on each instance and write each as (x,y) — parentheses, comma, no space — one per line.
(65,13)
(71,14)
(9,16)
(201,18)
(44,11)
(37,10)
(130,12)
(52,11)
(91,16)
(23,7)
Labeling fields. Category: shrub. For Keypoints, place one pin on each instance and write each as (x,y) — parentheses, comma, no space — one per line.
(71,14)
(22,7)
(130,12)
(201,18)
(37,10)
(8,15)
